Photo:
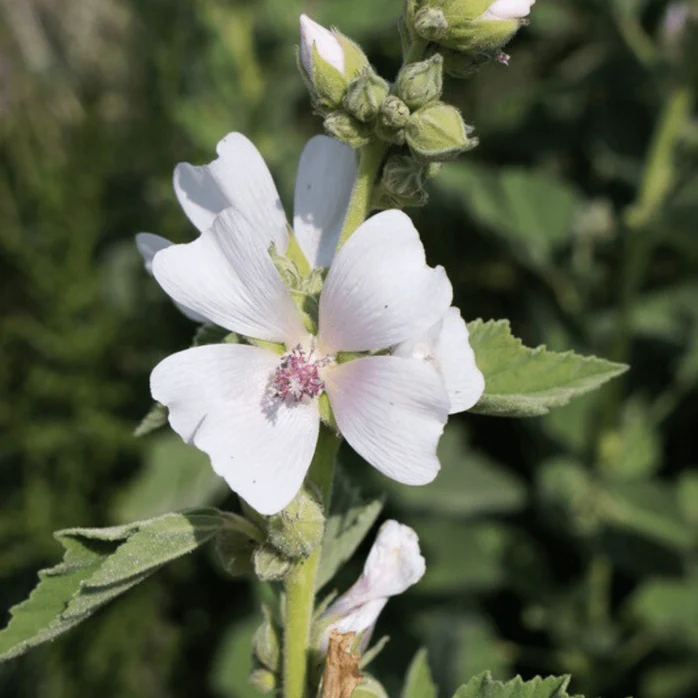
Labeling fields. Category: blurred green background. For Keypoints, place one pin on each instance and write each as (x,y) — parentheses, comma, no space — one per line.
(567,543)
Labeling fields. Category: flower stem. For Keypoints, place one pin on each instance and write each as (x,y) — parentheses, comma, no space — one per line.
(300,584)
(359,204)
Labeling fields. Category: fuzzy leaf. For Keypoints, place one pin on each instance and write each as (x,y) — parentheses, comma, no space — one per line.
(524,382)
(350,520)
(155,419)
(100,564)
(483,686)
(418,683)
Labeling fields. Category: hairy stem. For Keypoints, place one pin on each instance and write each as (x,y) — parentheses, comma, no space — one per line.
(300,584)
(359,204)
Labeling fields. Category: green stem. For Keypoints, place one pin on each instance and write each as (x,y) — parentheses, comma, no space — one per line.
(359,204)
(300,584)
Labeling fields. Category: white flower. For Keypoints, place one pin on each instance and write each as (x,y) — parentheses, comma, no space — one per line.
(446,347)
(324,41)
(508,9)
(394,565)
(239,178)
(254,412)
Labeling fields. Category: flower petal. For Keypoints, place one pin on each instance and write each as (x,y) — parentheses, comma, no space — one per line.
(446,346)
(392,412)
(227,276)
(148,245)
(216,396)
(379,290)
(238,177)
(326,174)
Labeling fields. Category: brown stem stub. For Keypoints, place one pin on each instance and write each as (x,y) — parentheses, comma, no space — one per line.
(342,673)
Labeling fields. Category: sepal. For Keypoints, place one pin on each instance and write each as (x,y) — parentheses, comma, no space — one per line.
(297,530)
(437,132)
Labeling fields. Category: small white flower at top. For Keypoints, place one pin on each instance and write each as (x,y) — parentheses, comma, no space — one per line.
(324,41)
(255,411)
(393,565)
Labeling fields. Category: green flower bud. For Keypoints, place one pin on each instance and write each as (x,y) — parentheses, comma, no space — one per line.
(236,543)
(477,26)
(297,530)
(430,23)
(394,113)
(347,129)
(270,565)
(369,688)
(364,95)
(328,62)
(420,83)
(265,643)
(403,178)
(263,680)
(437,132)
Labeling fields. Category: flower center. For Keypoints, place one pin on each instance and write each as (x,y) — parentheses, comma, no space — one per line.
(297,376)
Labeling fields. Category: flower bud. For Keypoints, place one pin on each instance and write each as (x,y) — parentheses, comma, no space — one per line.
(347,129)
(393,565)
(263,680)
(269,564)
(265,643)
(394,113)
(364,95)
(438,132)
(236,543)
(420,83)
(403,178)
(297,530)
(329,61)
(475,26)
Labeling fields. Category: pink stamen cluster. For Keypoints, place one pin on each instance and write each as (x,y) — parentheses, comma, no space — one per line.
(297,377)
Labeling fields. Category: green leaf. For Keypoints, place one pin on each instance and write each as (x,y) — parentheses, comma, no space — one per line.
(669,609)
(350,520)
(523,382)
(100,564)
(461,645)
(418,682)
(531,211)
(469,483)
(174,476)
(483,686)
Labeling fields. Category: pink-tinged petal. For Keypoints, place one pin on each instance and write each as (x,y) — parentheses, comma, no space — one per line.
(392,412)
(324,41)
(508,9)
(447,348)
(217,397)
(149,245)
(240,178)
(379,290)
(326,174)
(227,276)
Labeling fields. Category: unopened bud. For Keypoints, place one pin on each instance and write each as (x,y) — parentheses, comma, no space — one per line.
(263,680)
(394,113)
(471,25)
(329,62)
(297,530)
(364,95)
(438,132)
(265,643)
(403,178)
(236,543)
(369,688)
(347,129)
(420,83)
(270,565)
(430,23)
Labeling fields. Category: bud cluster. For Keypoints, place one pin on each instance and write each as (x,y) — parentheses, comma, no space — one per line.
(467,33)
